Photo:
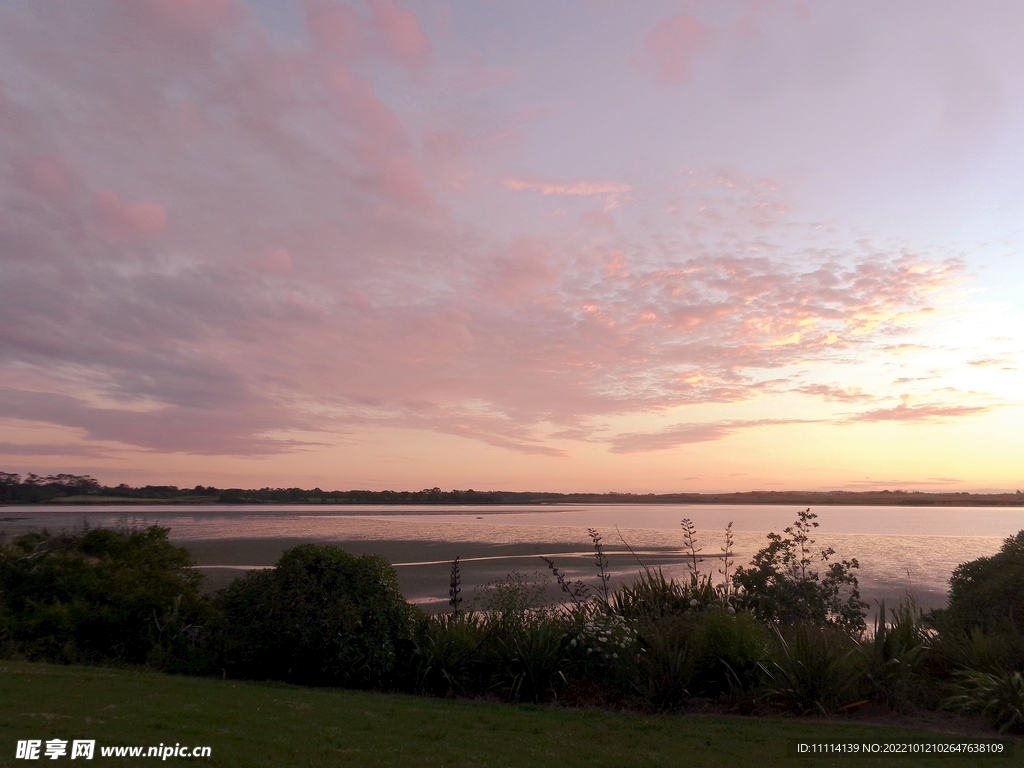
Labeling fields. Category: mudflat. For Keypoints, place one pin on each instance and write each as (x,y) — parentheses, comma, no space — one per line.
(424,567)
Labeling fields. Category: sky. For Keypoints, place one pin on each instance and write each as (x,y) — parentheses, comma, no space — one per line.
(579,246)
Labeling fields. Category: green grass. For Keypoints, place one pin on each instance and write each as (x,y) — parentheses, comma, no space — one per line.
(250,724)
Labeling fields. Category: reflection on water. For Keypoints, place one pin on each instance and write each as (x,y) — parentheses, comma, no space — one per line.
(899,549)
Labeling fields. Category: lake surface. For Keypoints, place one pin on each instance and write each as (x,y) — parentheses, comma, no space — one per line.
(901,550)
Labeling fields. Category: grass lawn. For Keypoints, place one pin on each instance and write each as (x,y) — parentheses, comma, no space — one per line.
(252,724)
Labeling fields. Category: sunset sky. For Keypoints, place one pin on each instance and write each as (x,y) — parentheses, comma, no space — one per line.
(581,245)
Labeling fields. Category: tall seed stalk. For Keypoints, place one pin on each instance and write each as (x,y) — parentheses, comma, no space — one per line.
(690,539)
(727,560)
(601,562)
(454,588)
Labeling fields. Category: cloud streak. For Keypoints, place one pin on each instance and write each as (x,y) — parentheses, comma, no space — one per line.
(571,189)
(687,434)
(926,412)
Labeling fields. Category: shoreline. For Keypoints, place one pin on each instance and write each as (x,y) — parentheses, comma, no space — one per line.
(424,567)
(800,501)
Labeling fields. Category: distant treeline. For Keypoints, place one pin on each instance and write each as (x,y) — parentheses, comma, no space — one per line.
(64,488)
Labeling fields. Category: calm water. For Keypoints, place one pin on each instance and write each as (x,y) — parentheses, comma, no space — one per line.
(899,549)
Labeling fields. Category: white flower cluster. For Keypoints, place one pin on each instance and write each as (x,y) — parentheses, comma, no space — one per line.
(606,637)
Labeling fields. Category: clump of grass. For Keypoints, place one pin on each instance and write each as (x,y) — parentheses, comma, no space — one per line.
(997,696)
(523,652)
(447,655)
(668,661)
(812,670)
(894,653)
(532,665)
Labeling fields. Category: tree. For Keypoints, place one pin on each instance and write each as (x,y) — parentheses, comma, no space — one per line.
(783,583)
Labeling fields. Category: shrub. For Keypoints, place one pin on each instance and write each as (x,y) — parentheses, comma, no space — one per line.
(783,585)
(102,594)
(734,648)
(320,617)
(603,648)
(989,592)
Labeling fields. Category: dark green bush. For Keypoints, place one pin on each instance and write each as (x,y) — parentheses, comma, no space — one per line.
(103,594)
(989,592)
(734,648)
(320,617)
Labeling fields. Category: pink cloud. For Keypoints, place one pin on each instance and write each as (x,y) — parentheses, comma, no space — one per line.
(178,27)
(900,349)
(443,143)
(48,176)
(360,105)
(382,146)
(337,27)
(517,272)
(985,362)
(190,14)
(53,449)
(572,188)
(399,29)
(642,442)
(477,76)
(837,394)
(390,31)
(670,46)
(500,432)
(685,434)
(599,220)
(238,431)
(926,412)
(123,219)
(280,261)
